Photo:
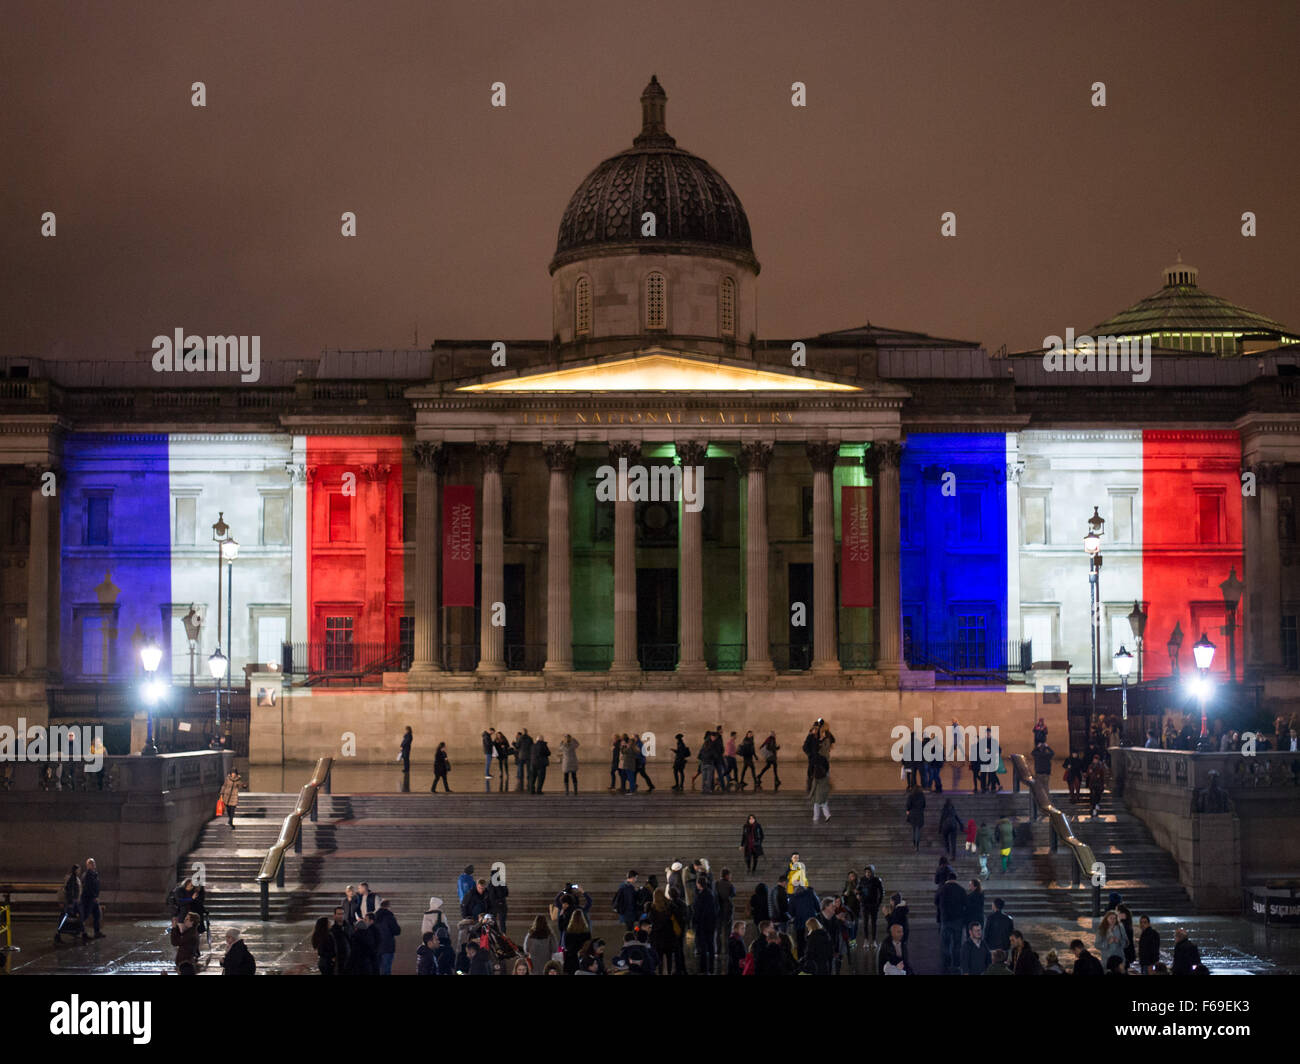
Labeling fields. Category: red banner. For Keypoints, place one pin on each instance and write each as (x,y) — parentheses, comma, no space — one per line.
(857,579)
(458,545)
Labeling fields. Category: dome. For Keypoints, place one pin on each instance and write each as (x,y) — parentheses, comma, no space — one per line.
(694,207)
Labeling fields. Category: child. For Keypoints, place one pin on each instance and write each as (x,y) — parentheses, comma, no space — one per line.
(971,828)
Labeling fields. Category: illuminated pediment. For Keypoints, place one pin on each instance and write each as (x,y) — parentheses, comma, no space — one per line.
(659,372)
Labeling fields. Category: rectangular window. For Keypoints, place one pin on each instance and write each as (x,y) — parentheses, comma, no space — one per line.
(1209,517)
(1121,518)
(275,520)
(408,517)
(270,639)
(406,638)
(94,645)
(340,518)
(972,529)
(1290,649)
(972,641)
(338,644)
(1034,519)
(184,528)
(1036,631)
(97,521)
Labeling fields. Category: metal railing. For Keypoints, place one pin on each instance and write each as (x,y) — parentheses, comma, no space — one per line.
(343,660)
(791,657)
(724,657)
(291,832)
(1084,863)
(592,657)
(966,660)
(460,657)
(657,657)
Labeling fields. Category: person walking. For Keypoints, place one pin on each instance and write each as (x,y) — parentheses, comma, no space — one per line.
(769,748)
(499,901)
(569,762)
(984,847)
(950,912)
(523,761)
(811,743)
(230,796)
(639,748)
(539,944)
(1096,784)
(821,786)
(915,807)
(90,899)
(237,959)
(627,766)
(681,754)
(616,776)
(404,754)
(441,766)
(998,927)
(1043,755)
(1073,768)
(323,943)
(949,827)
(541,757)
(871,890)
(747,755)
(751,842)
(1006,837)
(625,902)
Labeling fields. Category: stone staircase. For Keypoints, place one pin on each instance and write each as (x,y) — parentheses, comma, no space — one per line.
(409,846)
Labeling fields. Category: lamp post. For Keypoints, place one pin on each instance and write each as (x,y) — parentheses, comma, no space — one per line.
(1092,545)
(1203,652)
(150,656)
(220,533)
(1137,622)
(217,667)
(1232,589)
(193,623)
(1174,645)
(229,551)
(1123,665)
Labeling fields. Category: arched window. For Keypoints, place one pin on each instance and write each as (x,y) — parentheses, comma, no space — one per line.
(582,306)
(655,300)
(727,307)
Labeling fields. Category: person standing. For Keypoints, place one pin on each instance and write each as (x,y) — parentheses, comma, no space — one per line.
(893,954)
(751,842)
(230,796)
(1187,958)
(975,953)
(1040,732)
(541,755)
(916,815)
(1084,962)
(340,953)
(998,927)
(404,754)
(185,937)
(725,890)
(616,763)
(502,746)
(1111,938)
(821,786)
(627,766)
(811,742)
(441,766)
(523,762)
(90,899)
(950,912)
(1096,784)
(681,754)
(323,943)
(489,751)
(704,919)
(729,763)
(539,944)
(974,904)
(1073,768)
(1043,755)
(769,748)
(1148,951)
(569,762)
(237,959)
(871,889)
(747,755)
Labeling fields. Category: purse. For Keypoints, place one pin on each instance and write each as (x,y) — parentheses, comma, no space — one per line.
(221,807)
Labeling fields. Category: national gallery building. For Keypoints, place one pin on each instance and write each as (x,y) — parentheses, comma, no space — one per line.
(871,525)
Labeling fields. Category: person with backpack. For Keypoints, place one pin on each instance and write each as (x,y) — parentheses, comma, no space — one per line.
(751,842)
(949,827)
(821,786)
(769,748)
(625,902)
(681,754)
(747,755)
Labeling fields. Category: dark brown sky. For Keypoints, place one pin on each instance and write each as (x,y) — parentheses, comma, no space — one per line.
(226,219)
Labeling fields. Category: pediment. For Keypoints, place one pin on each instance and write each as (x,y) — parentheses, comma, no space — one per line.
(658,371)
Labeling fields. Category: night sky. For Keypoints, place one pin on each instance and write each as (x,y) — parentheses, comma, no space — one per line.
(225,219)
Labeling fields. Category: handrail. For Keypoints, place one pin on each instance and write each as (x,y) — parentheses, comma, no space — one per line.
(291,832)
(1085,862)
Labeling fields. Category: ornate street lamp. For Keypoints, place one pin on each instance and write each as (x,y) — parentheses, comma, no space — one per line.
(222,538)
(1203,652)
(150,656)
(193,624)
(1232,589)
(1174,645)
(1137,621)
(1123,665)
(1092,546)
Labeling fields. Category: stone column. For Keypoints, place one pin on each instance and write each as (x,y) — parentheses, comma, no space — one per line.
(826,654)
(754,459)
(491,637)
(625,648)
(690,564)
(559,621)
(299,608)
(430,462)
(1263,565)
(42,657)
(882,461)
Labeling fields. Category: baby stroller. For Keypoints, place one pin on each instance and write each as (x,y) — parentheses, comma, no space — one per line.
(501,948)
(69,923)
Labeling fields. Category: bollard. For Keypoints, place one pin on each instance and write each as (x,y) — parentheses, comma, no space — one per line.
(266,900)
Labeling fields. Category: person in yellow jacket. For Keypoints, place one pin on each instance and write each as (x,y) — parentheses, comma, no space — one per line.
(796,874)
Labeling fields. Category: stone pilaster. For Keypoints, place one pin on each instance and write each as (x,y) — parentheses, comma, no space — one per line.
(300,476)
(754,459)
(492,637)
(882,460)
(430,462)
(43,525)
(690,565)
(826,655)
(559,621)
(1263,635)
(625,648)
